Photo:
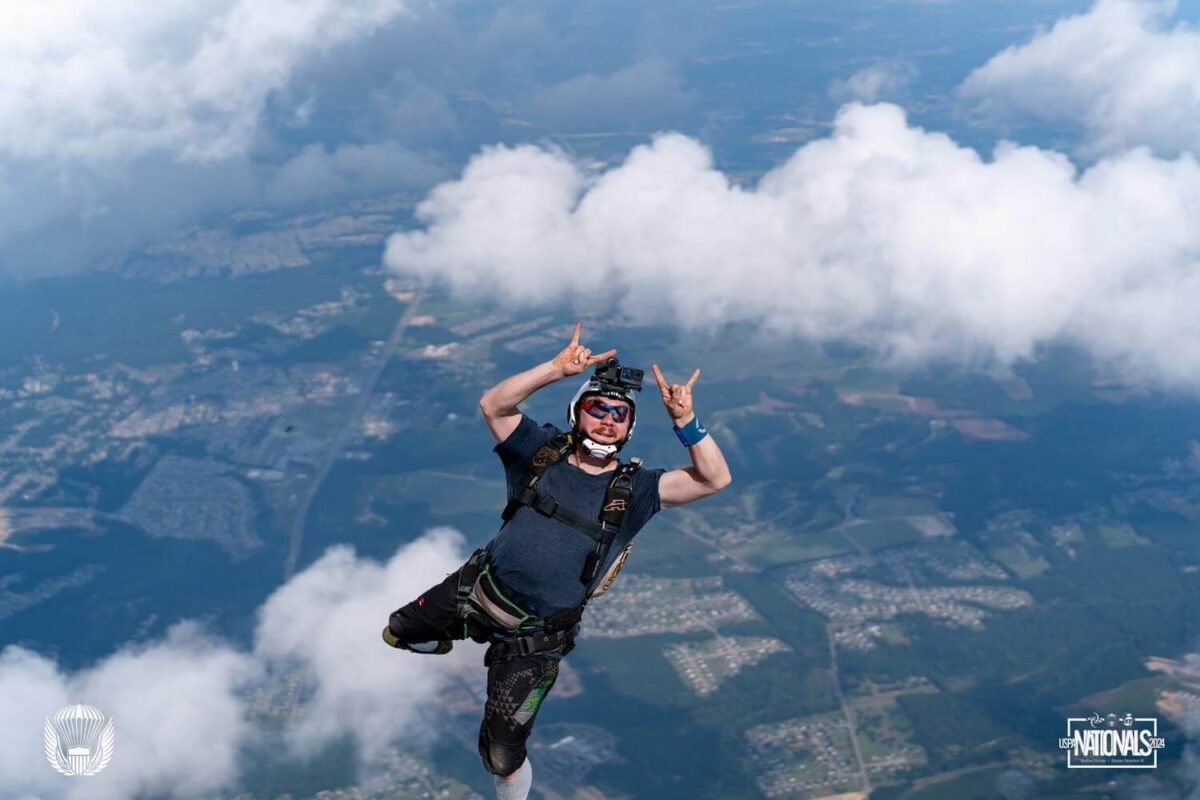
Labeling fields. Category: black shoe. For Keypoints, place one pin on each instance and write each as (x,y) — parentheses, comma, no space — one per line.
(439,648)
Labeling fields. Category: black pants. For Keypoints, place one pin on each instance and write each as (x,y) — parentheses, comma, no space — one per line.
(516,686)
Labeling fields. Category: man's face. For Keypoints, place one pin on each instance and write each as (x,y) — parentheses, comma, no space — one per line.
(606,430)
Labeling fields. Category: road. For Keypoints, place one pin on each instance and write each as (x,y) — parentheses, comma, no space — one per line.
(847,714)
(370,378)
(837,688)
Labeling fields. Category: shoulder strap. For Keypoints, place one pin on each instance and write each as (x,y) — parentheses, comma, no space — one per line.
(612,511)
(550,453)
(612,514)
(555,449)
(620,492)
(616,503)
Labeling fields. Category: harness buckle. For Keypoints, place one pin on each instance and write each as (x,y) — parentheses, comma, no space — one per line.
(546,504)
(466,578)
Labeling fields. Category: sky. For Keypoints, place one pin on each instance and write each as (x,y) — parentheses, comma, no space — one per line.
(937,182)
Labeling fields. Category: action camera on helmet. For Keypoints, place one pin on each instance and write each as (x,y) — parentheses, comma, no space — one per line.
(611,374)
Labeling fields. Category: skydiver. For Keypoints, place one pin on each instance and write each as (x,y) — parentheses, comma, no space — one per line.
(573,510)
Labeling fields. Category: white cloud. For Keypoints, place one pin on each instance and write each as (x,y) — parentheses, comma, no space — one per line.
(883,233)
(104,80)
(179,704)
(173,704)
(121,121)
(328,619)
(876,82)
(1119,72)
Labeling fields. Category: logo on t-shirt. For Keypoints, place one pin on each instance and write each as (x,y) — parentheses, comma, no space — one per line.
(545,455)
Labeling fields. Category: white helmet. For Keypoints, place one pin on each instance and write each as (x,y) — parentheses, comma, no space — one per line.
(594,387)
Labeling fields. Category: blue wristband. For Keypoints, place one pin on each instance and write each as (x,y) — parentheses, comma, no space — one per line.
(692,433)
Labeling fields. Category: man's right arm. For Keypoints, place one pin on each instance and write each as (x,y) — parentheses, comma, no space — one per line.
(499,403)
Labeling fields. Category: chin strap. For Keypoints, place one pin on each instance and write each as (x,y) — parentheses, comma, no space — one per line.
(597,450)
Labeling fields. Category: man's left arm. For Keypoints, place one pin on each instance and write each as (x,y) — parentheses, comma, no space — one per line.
(708,473)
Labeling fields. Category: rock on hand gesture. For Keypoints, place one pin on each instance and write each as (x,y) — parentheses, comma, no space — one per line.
(677,397)
(575,358)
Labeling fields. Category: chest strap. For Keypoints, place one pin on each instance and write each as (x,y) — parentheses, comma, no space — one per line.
(601,530)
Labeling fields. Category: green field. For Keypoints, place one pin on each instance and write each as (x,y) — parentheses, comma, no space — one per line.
(1017,561)
(874,534)
(773,551)
(446,491)
(1121,535)
(897,505)
(661,549)
(980,783)
(1138,696)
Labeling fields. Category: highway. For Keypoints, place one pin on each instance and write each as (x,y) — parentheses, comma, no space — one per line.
(370,378)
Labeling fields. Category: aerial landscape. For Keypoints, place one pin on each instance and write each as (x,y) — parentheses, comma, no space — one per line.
(965,509)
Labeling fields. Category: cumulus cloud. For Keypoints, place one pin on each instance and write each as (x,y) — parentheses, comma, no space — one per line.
(179,705)
(876,82)
(327,622)
(1122,73)
(882,234)
(173,703)
(112,79)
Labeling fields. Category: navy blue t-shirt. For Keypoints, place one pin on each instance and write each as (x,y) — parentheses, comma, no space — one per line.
(538,559)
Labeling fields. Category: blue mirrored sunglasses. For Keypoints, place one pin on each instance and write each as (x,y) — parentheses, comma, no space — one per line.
(600,409)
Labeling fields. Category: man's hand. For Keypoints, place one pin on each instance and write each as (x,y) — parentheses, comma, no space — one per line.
(575,358)
(677,397)
(500,404)
(708,473)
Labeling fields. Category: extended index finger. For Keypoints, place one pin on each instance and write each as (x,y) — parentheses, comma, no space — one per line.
(658,376)
(602,357)
(575,336)
(692,379)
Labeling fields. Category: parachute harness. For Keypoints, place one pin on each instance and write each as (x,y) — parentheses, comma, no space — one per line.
(479,592)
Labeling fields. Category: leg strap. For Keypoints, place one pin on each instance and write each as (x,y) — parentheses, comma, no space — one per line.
(531,644)
(467,576)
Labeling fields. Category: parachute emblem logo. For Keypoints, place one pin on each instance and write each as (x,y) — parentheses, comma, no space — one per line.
(545,455)
(78,740)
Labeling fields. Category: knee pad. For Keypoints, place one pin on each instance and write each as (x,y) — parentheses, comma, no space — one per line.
(500,759)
